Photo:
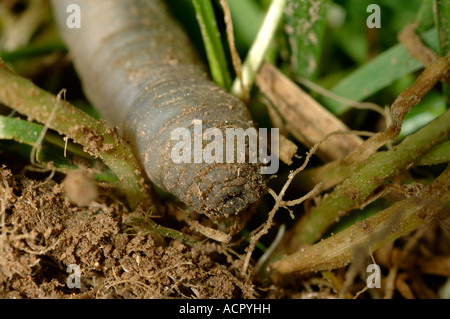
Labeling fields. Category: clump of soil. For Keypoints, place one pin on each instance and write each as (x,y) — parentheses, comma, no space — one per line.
(43,232)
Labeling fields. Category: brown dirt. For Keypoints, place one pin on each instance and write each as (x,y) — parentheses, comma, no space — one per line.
(42,233)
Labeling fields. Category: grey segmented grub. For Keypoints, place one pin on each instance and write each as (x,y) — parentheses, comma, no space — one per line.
(139,69)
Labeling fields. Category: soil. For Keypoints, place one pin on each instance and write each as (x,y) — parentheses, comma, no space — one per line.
(43,233)
(48,230)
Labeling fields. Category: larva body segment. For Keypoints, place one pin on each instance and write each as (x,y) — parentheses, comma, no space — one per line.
(139,69)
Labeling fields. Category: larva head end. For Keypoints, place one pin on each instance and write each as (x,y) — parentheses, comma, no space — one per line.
(228,190)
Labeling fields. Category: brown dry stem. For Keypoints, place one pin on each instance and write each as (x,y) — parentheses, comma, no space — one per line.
(236,60)
(435,72)
(416,48)
(279,202)
(305,118)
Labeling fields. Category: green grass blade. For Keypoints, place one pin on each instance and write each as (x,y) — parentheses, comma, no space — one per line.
(52,147)
(305,27)
(32,51)
(213,43)
(424,18)
(378,74)
(248,17)
(442,20)
(19,130)
(442,17)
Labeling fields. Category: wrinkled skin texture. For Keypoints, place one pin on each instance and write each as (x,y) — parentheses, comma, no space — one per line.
(139,69)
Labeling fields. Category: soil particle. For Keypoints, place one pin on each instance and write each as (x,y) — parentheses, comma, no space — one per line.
(80,188)
(43,233)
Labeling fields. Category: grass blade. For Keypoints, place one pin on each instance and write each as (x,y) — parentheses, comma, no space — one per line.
(378,74)
(32,51)
(247,18)
(213,43)
(442,20)
(305,27)
(442,17)
(19,130)
(52,148)
(425,18)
